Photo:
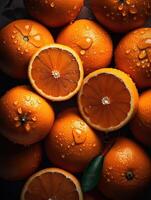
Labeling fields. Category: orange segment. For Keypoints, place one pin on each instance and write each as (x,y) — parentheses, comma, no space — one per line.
(108,99)
(56,72)
(52,184)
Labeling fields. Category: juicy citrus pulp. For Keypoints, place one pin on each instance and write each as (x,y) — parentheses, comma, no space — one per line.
(56,72)
(108,99)
(52,184)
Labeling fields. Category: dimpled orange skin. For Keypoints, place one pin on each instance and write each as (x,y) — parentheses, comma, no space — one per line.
(19,40)
(141,124)
(26,118)
(54,13)
(68,150)
(126,171)
(18,162)
(133,56)
(121,15)
(90,41)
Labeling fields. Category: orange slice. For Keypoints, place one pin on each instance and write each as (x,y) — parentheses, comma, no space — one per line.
(56,72)
(52,184)
(108,99)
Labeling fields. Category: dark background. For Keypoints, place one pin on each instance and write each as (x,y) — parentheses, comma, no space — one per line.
(9,11)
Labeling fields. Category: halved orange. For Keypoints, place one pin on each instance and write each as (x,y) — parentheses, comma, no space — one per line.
(56,72)
(108,99)
(52,184)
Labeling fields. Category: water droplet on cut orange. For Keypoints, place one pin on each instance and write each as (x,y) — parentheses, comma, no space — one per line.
(82,52)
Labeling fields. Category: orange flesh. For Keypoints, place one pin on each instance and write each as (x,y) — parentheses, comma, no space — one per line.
(51,186)
(105,100)
(55,72)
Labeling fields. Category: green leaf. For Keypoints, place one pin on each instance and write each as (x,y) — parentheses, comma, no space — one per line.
(91,174)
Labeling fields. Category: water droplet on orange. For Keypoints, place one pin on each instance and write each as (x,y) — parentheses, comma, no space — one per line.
(142,54)
(27,27)
(75,7)
(108,180)
(133,9)
(82,52)
(16,118)
(94,145)
(18,124)
(73,143)
(79,136)
(28,98)
(138,64)
(34,118)
(128,51)
(121,6)
(128,2)
(19,110)
(13,36)
(52,4)
(27,127)
(37,37)
(15,103)
(62,156)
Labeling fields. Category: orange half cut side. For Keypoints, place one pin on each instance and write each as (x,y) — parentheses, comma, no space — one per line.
(108,99)
(56,72)
(52,184)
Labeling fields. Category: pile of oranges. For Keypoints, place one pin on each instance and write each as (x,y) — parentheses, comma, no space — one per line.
(75,69)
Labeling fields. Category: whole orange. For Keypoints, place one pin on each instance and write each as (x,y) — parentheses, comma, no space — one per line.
(133,56)
(18,162)
(26,118)
(121,15)
(141,124)
(54,13)
(126,171)
(72,144)
(19,40)
(90,41)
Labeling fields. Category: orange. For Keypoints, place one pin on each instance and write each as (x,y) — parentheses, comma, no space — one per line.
(72,144)
(52,183)
(56,72)
(133,56)
(141,124)
(90,41)
(19,40)
(54,13)
(108,99)
(18,162)
(121,15)
(126,171)
(26,118)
